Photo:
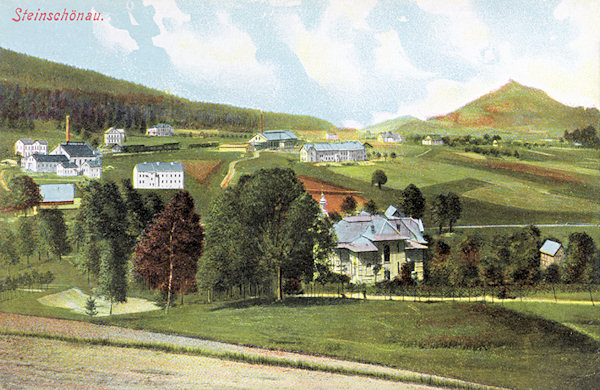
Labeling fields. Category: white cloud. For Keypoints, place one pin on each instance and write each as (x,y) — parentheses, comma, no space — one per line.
(328,60)
(467,35)
(391,59)
(584,78)
(355,12)
(167,10)
(403,19)
(352,124)
(226,57)
(113,38)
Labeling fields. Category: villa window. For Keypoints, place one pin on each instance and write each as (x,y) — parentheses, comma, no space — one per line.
(386,253)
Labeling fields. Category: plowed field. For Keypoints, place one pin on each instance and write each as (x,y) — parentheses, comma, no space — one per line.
(334,194)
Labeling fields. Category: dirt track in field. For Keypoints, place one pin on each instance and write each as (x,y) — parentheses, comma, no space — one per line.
(53,361)
(28,362)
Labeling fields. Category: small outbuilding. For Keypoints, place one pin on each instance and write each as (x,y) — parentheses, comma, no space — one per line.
(551,252)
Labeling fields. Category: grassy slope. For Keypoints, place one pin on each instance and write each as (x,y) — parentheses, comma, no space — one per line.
(522,110)
(471,341)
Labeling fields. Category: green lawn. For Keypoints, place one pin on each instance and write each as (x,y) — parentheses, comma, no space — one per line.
(477,342)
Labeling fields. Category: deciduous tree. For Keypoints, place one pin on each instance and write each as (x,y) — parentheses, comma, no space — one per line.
(53,232)
(166,256)
(349,205)
(439,211)
(454,207)
(379,177)
(412,202)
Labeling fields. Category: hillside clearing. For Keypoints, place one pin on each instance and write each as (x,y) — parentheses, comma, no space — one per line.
(74,299)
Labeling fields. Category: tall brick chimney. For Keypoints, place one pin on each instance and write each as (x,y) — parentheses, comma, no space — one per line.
(68,133)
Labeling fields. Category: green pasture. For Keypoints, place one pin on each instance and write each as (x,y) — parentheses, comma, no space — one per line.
(478,342)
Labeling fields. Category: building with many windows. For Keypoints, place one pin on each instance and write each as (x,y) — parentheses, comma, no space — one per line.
(373,248)
(334,152)
(26,147)
(161,130)
(114,136)
(159,175)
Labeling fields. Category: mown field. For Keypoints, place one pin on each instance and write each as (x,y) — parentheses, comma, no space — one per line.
(484,343)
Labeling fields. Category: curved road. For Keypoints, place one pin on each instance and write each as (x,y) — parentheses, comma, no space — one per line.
(15,326)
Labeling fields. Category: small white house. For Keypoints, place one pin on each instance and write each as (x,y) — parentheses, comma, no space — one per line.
(92,168)
(433,140)
(330,136)
(114,136)
(334,152)
(67,169)
(159,175)
(389,137)
(161,130)
(26,147)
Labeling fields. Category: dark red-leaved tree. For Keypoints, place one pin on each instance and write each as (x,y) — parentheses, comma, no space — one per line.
(166,256)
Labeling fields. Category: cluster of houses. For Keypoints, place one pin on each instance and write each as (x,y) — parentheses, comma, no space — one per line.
(67,159)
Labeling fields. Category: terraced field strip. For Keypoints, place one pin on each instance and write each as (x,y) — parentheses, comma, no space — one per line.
(20,325)
(334,194)
(202,170)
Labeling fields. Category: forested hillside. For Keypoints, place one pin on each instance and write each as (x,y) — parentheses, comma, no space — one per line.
(36,89)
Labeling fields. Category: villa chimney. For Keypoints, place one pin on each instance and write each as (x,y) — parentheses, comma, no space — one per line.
(68,133)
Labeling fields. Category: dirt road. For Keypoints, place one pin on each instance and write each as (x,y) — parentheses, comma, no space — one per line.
(28,362)
(84,330)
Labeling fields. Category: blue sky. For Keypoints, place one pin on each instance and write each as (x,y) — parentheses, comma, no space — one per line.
(354,63)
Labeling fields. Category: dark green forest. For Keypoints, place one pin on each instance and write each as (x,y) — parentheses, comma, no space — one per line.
(35,89)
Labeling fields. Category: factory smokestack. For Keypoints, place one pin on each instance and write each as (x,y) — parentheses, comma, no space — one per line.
(68,133)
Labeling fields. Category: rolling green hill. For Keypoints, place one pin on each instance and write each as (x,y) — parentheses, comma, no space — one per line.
(36,89)
(513,109)
(523,110)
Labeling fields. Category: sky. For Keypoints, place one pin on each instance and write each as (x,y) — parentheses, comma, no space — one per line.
(352,62)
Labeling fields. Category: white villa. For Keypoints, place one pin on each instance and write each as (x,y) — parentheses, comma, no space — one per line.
(26,147)
(161,130)
(335,152)
(114,136)
(159,175)
(373,248)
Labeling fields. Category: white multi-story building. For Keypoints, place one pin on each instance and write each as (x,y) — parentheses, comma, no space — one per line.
(159,175)
(161,130)
(114,136)
(334,152)
(43,163)
(26,147)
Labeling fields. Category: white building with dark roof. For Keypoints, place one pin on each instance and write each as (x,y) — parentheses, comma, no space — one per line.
(274,139)
(373,248)
(115,136)
(161,130)
(43,163)
(26,147)
(77,152)
(159,175)
(334,152)
(67,169)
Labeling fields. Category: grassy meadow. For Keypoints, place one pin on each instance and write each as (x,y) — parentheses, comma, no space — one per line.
(475,341)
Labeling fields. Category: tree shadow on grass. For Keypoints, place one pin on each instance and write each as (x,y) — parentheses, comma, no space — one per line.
(287,302)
